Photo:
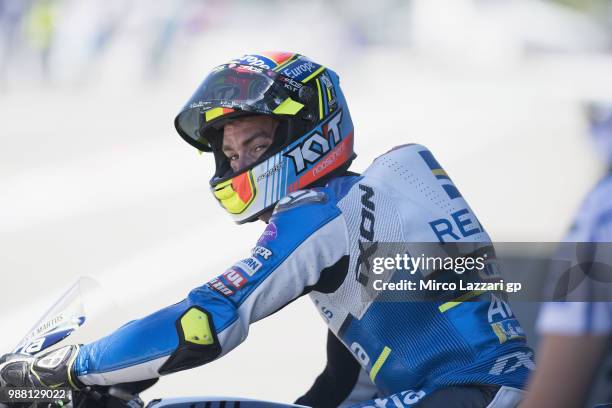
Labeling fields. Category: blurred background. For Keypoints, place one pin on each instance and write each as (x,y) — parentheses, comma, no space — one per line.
(94,180)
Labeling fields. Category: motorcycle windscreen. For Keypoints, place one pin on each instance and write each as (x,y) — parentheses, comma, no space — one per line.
(83,300)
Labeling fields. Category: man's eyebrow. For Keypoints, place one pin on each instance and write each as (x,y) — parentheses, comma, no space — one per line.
(245,142)
(259,133)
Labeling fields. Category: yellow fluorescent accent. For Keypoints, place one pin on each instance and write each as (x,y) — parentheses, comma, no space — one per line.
(225,183)
(230,200)
(439,172)
(379,362)
(213,113)
(196,327)
(314,74)
(233,204)
(449,305)
(70,363)
(224,193)
(37,376)
(499,333)
(320,99)
(288,107)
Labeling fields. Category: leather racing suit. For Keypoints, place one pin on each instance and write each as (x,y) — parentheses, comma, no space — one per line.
(313,245)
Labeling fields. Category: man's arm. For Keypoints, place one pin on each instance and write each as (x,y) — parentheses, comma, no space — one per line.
(298,244)
(566,368)
(575,338)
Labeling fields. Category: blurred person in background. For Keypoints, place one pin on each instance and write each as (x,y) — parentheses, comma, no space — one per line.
(577,334)
(11,15)
(280,131)
(40,27)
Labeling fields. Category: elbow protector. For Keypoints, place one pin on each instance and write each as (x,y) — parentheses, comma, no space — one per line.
(198,343)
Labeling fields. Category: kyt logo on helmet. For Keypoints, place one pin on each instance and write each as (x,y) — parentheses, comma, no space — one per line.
(314,138)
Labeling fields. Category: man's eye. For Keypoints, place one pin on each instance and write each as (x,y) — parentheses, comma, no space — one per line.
(233,157)
(261,147)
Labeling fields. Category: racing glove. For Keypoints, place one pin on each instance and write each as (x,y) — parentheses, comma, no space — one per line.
(48,369)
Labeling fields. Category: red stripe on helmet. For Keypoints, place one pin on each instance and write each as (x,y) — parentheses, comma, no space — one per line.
(278,56)
(243,187)
(334,159)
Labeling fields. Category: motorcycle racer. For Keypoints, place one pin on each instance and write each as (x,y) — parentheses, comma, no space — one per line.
(280,131)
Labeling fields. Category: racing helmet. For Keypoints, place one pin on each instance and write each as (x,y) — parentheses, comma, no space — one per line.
(313,139)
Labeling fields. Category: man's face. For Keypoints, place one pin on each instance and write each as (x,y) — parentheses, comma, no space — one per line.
(246,139)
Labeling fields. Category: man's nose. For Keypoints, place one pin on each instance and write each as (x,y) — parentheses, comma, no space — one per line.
(242,162)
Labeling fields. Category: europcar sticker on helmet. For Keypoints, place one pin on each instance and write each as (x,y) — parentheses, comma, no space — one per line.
(300,69)
(255,60)
(266,60)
